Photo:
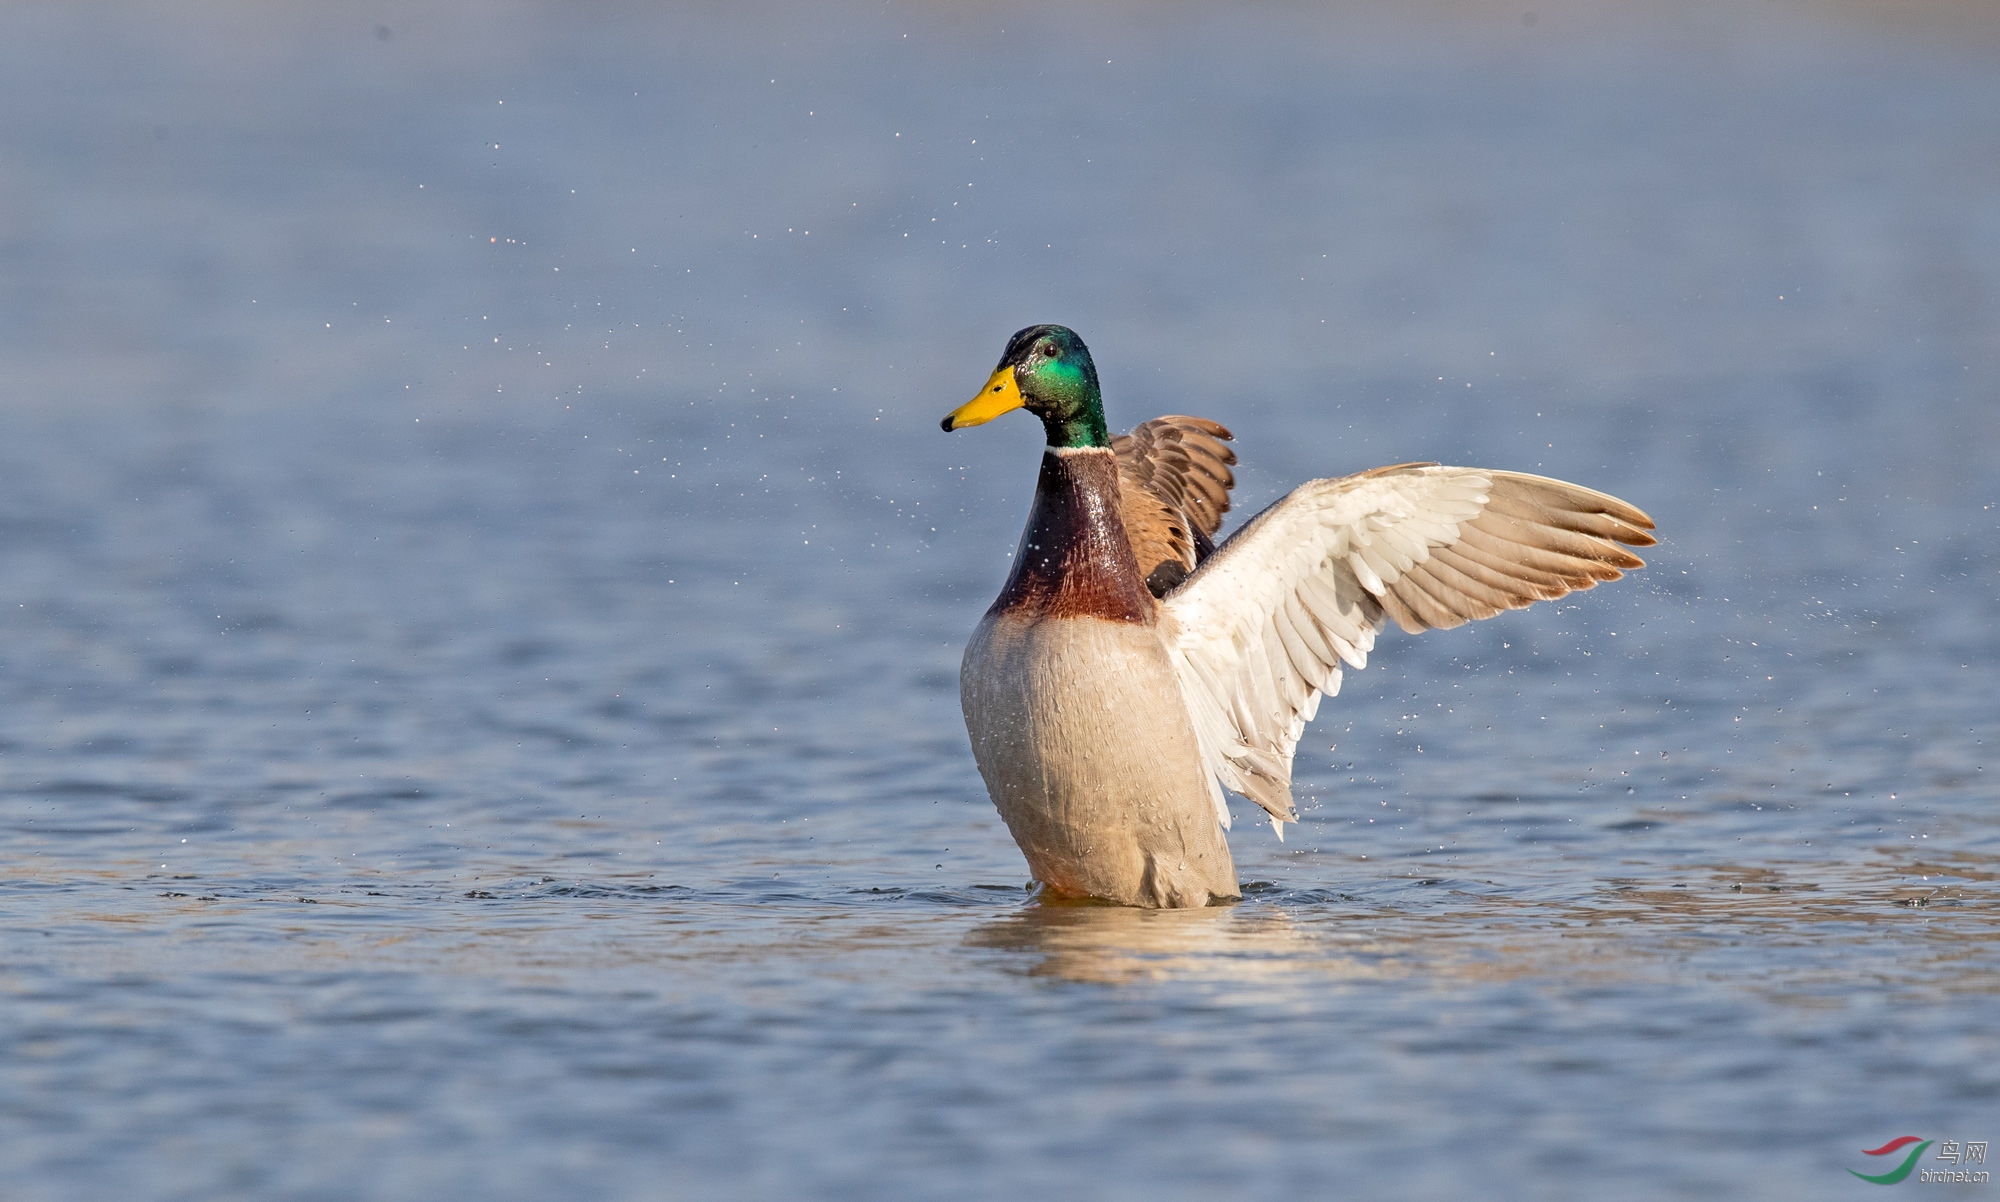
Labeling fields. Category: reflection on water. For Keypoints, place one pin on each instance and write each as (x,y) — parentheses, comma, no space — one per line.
(1111,946)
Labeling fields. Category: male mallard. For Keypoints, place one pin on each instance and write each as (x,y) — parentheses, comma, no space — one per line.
(1130,671)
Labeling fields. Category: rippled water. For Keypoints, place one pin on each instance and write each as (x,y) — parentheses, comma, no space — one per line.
(481,590)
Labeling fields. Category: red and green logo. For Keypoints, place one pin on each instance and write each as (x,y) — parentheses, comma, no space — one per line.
(1902,1170)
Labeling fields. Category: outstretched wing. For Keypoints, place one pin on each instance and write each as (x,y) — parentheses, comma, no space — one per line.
(1259,631)
(1173,483)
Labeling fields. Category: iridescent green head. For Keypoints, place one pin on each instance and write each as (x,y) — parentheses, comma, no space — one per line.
(1047,371)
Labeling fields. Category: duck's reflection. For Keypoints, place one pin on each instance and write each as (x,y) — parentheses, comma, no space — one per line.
(1114,944)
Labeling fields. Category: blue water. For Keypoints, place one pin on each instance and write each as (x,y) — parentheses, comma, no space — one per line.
(481,589)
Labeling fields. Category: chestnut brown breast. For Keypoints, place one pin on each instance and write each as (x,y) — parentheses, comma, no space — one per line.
(1075,560)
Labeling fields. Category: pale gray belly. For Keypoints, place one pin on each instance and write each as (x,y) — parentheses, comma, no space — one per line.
(1080,732)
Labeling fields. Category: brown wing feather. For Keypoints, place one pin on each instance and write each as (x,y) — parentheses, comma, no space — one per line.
(1159,535)
(1174,482)
(1533,540)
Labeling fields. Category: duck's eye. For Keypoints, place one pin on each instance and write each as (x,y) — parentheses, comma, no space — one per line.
(1047,350)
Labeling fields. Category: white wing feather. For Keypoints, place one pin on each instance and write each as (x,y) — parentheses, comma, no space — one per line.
(1259,632)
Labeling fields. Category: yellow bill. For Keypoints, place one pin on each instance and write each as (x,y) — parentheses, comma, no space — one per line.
(1000,395)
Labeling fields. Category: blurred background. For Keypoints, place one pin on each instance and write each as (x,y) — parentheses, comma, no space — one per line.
(474,469)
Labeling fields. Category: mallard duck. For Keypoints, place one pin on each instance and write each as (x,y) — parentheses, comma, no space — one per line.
(1130,670)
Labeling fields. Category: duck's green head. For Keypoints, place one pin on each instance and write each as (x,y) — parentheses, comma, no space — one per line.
(1047,371)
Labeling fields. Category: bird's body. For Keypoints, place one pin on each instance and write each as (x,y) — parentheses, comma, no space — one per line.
(1075,710)
(1129,670)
